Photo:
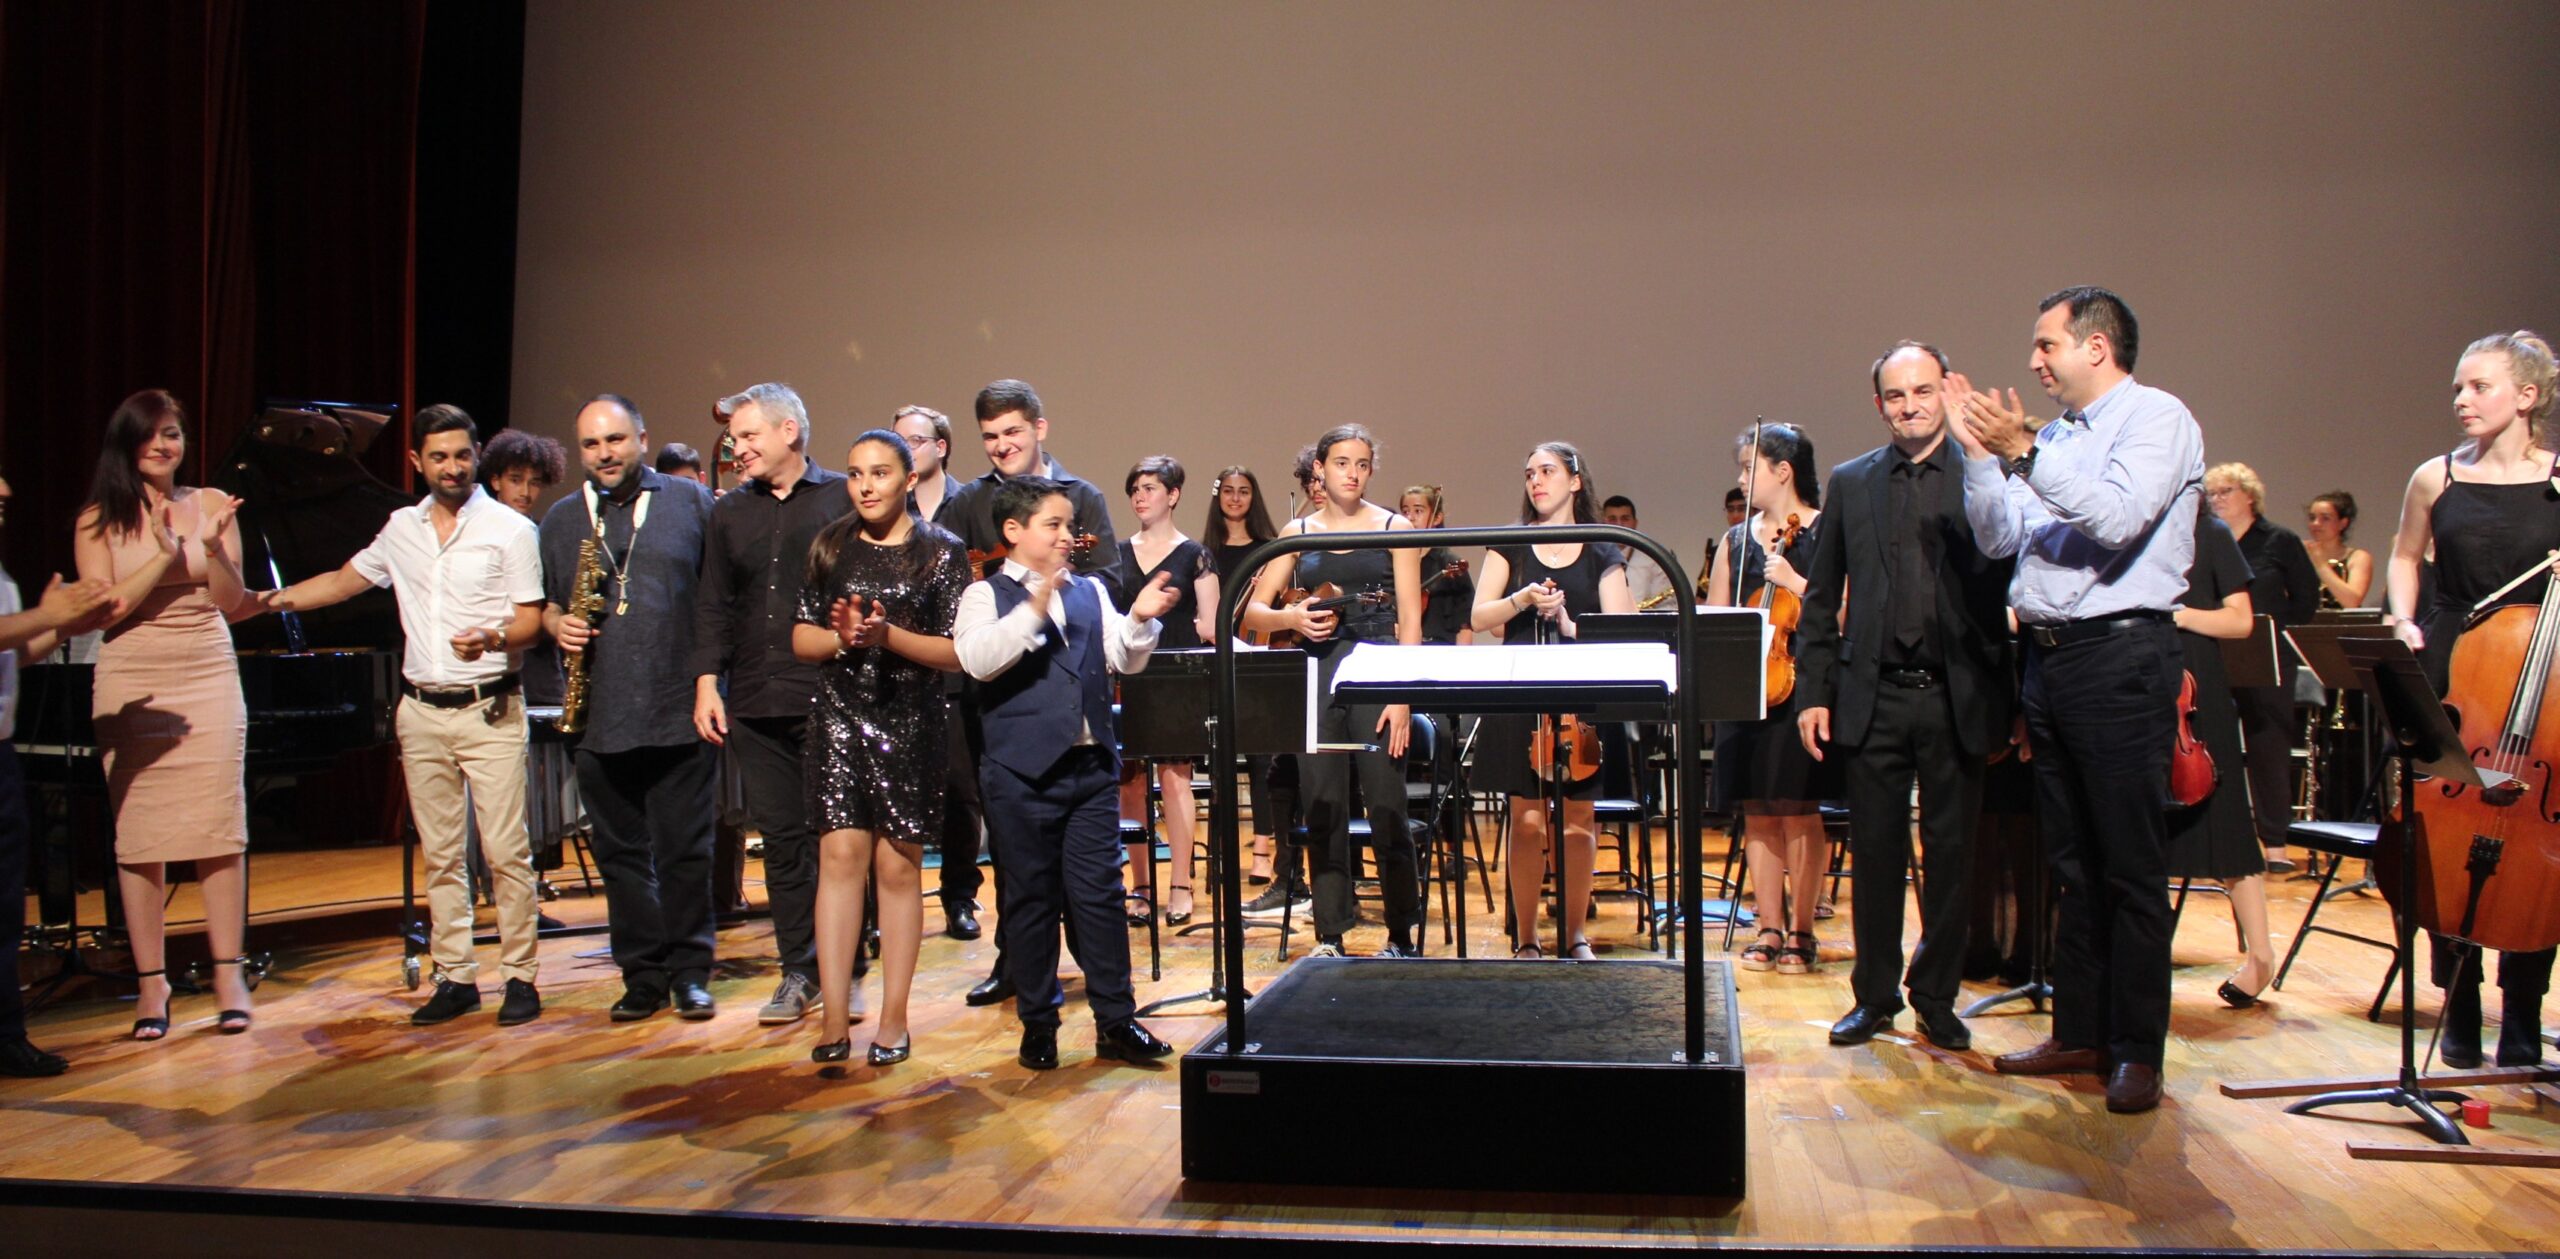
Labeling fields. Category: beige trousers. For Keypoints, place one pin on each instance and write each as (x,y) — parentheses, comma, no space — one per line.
(458,760)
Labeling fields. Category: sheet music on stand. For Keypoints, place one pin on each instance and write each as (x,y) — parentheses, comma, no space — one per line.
(2253,660)
(1508,678)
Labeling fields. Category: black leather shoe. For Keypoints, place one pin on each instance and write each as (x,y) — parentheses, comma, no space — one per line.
(26,1062)
(693,1001)
(1130,1042)
(996,990)
(638,1002)
(1860,1025)
(1039,1048)
(880,1055)
(523,1004)
(1943,1028)
(960,919)
(451,1001)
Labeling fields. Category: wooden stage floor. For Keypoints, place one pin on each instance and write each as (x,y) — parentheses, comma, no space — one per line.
(1892,1144)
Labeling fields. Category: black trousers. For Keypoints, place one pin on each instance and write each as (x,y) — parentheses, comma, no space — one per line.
(15,831)
(1057,840)
(2100,713)
(652,811)
(2266,752)
(769,758)
(963,815)
(1913,738)
(1326,781)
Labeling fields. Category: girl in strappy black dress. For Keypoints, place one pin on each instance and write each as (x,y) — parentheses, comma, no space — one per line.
(1532,592)
(883,587)
(1154,488)
(1345,457)
(1238,522)
(2217,839)
(2490,510)
(1763,772)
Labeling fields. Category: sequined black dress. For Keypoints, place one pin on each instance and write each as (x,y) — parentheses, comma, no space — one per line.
(876,745)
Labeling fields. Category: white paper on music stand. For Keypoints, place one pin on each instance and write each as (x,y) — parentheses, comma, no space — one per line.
(1560,664)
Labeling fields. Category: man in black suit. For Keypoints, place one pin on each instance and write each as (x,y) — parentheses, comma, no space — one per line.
(1920,688)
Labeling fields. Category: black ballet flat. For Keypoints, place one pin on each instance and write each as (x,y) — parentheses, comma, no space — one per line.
(889,1055)
(833,1051)
(2233,997)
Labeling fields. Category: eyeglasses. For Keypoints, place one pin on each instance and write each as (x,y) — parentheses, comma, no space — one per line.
(2225,492)
(920,441)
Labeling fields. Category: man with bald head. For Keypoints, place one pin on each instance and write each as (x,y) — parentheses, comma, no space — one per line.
(643,772)
(1917,688)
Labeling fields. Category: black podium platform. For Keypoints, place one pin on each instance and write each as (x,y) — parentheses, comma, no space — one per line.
(1457,1052)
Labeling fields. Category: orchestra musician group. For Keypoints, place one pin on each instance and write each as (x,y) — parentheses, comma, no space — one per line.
(880,659)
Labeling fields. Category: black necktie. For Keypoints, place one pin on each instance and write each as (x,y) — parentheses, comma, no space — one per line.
(1914,597)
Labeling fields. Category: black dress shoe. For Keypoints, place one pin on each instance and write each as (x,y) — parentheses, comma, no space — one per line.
(1860,1025)
(996,990)
(693,1001)
(1943,1028)
(1039,1048)
(1130,1042)
(523,1004)
(26,1062)
(638,1002)
(451,1001)
(960,920)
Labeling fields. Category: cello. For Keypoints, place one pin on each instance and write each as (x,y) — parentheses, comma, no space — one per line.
(2489,871)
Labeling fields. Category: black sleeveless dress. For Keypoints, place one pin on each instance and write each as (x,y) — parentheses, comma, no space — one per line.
(2485,535)
(1765,760)
(2217,838)
(1178,628)
(1502,741)
(1353,572)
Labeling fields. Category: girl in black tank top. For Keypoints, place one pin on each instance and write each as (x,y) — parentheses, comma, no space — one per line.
(1345,457)
(1154,487)
(1522,591)
(2489,511)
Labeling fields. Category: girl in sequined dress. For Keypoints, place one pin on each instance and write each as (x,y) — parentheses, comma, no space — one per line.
(876,610)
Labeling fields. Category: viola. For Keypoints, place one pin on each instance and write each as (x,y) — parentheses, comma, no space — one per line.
(2504,840)
(2192,773)
(987,563)
(1786,612)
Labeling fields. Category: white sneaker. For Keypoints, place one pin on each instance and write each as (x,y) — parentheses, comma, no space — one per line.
(1326,950)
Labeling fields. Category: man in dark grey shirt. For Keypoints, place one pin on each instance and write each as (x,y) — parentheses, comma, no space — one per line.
(753,565)
(644,773)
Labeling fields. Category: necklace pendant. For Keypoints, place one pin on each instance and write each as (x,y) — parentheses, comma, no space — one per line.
(623,608)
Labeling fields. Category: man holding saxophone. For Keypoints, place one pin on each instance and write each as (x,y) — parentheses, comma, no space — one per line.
(620,560)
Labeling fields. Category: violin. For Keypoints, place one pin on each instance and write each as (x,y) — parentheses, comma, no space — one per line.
(2489,869)
(1564,735)
(987,563)
(1786,612)
(2192,773)
(1324,598)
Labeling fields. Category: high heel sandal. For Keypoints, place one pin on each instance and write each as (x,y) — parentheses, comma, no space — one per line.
(1760,954)
(889,1055)
(154,1029)
(1799,960)
(1581,952)
(832,1051)
(1529,952)
(1177,917)
(234,1022)
(1139,897)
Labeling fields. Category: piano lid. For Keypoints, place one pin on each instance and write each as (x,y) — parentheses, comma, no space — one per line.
(307,506)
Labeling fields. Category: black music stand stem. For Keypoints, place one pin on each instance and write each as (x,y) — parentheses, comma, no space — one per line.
(2036,922)
(1162,717)
(2421,739)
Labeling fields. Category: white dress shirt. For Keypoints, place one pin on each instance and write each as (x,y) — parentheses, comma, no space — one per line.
(472,580)
(9,606)
(988,644)
(1645,579)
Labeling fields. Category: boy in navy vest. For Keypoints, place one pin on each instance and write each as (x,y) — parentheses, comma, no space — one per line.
(1043,644)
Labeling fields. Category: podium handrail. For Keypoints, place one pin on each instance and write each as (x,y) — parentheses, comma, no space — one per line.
(1225,822)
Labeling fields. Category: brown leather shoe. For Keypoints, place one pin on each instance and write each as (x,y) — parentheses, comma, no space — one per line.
(2049,1058)
(2133,1088)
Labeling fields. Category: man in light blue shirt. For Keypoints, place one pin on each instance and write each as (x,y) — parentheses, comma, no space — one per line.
(2099,508)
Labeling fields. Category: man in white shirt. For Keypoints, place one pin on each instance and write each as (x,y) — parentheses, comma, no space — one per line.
(65,611)
(1645,578)
(468,575)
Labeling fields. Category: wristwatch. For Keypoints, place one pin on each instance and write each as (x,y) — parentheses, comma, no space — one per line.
(2020,466)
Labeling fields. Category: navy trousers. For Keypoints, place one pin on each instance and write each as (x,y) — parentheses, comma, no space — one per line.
(1057,847)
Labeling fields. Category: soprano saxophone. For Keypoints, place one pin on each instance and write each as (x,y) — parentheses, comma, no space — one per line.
(586,599)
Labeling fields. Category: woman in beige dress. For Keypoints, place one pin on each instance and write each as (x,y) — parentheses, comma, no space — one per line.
(168,710)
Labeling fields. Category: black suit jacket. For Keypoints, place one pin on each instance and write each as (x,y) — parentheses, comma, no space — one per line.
(1973,604)
(970,511)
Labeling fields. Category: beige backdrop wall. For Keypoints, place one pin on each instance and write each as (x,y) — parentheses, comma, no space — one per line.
(1214,229)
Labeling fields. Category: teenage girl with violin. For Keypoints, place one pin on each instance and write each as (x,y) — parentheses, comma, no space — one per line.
(2490,511)
(1345,458)
(1534,593)
(2217,838)
(1763,772)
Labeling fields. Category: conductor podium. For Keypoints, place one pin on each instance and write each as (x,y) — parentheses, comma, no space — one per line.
(1426,1072)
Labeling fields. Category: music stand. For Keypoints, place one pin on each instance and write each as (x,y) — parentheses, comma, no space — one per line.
(2422,740)
(1166,712)
(2321,646)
